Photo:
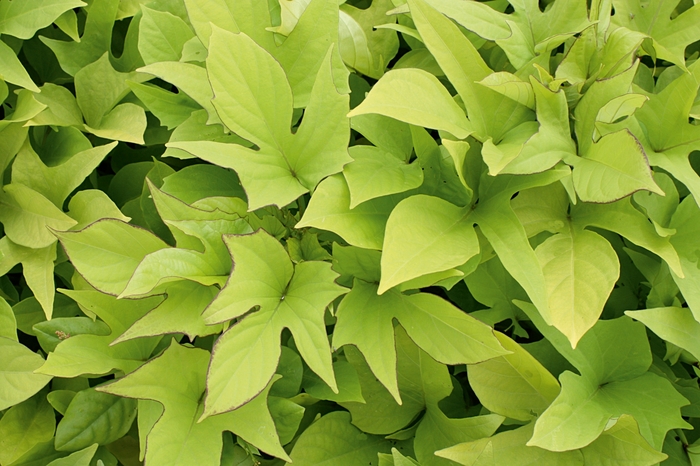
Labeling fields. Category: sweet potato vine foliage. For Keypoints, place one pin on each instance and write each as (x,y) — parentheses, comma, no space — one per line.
(355,232)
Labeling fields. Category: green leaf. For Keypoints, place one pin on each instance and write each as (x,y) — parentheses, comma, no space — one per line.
(162,36)
(424,316)
(670,36)
(18,381)
(51,332)
(581,411)
(27,216)
(364,48)
(362,226)
(95,41)
(188,78)
(94,354)
(23,19)
(288,296)
(8,322)
(24,426)
(94,417)
(514,385)
(508,447)
(613,350)
(442,237)
(171,109)
(12,69)
(415,97)
(37,268)
(319,445)
(580,269)
(622,218)
(376,172)
(491,113)
(622,443)
(292,164)
(302,53)
(79,458)
(674,324)
(180,312)
(600,178)
(176,380)
(686,222)
(58,181)
(108,252)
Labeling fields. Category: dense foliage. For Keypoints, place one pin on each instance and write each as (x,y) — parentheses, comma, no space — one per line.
(361,232)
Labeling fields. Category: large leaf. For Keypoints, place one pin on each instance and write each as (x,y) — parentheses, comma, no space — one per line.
(580,269)
(428,103)
(293,297)
(514,385)
(108,252)
(428,320)
(24,426)
(17,378)
(94,417)
(23,19)
(176,380)
(256,103)
(439,236)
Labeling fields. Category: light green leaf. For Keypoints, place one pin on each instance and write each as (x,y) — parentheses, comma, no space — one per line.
(491,113)
(670,36)
(674,324)
(620,107)
(415,97)
(318,445)
(508,447)
(190,79)
(613,350)
(622,443)
(94,417)
(95,41)
(8,322)
(61,107)
(293,164)
(23,19)
(51,332)
(514,385)
(442,237)
(362,226)
(293,297)
(622,218)
(176,379)
(612,168)
(12,69)
(686,222)
(424,316)
(511,86)
(362,46)
(172,264)
(27,216)
(302,53)
(108,252)
(125,122)
(24,426)
(56,182)
(170,108)
(90,205)
(161,36)
(179,313)
(18,381)
(580,270)
(93,354)
(583,408)
(79,458)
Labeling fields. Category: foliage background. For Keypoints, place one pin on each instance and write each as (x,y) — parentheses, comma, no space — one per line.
(342,233)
